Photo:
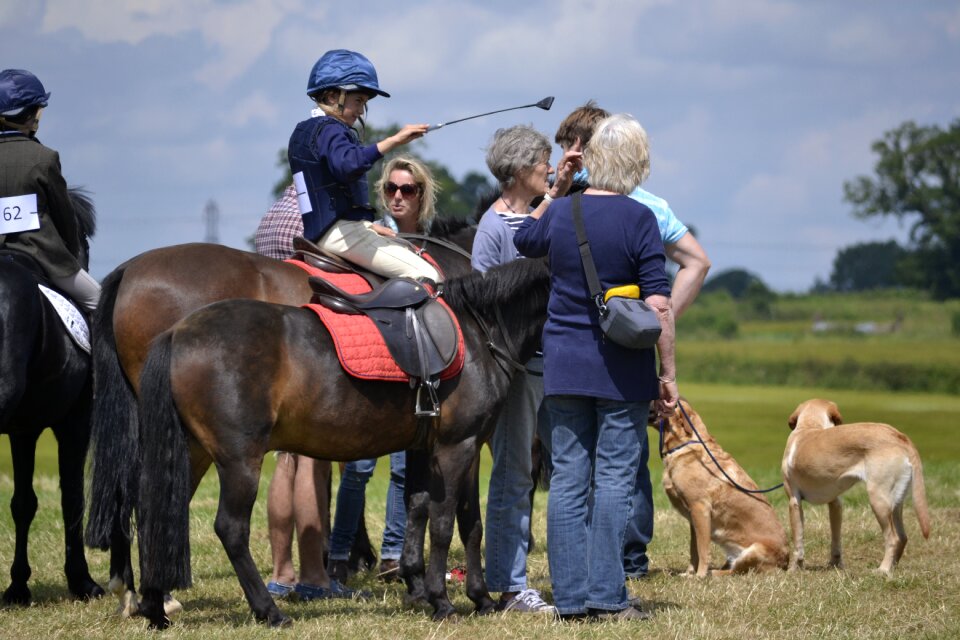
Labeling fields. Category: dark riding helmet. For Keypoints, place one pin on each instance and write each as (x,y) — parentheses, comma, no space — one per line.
(20,90)
(342,69)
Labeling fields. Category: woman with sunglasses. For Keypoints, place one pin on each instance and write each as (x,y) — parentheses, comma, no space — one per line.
(329,166)
(408,194)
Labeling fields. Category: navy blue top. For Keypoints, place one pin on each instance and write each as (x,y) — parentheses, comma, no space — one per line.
(627,249)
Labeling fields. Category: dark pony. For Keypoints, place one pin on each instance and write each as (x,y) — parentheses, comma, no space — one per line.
(44,382)
(239,378)
(141,299)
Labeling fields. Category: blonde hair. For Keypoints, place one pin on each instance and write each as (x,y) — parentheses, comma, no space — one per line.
(618,156)
(422,176)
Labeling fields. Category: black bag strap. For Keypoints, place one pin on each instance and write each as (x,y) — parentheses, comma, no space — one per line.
(586,256)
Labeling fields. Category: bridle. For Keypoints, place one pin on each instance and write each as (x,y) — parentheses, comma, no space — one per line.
(506,355)
(700,441)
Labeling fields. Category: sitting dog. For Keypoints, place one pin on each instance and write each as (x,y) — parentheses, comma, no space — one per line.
(822,460)
(743,524)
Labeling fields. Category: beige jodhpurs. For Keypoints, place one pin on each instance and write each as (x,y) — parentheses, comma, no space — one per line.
(357,242)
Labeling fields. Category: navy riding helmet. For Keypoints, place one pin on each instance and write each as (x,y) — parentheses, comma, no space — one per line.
(342,69)
(20,90)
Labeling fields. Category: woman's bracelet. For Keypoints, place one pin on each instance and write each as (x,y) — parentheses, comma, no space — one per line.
(547,198)
(666,380)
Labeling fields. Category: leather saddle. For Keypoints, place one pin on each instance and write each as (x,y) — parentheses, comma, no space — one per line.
(316,257)
(420,333)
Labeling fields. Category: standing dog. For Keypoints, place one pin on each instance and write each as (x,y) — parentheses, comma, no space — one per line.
(744,524)
(821,462)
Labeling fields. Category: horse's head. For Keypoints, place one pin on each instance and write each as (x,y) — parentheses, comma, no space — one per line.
(86,215)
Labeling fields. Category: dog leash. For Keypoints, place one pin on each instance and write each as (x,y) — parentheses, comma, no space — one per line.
(700,441)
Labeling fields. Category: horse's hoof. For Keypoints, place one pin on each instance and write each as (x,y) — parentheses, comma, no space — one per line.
(129,606)
(279,620)
(19,596)
(486,608)
(161,623)
(446,616)
(171,606)
(416,601)
(87,590)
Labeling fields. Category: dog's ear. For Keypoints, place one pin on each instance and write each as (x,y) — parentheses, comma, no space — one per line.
(792,421)
(834,414)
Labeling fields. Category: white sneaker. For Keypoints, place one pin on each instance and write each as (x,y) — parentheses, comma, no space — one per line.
(529,601)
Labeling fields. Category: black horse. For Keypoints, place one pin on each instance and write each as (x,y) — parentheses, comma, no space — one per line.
(239,378)
(44,382)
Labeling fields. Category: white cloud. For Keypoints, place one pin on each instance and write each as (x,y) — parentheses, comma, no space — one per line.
(238,32)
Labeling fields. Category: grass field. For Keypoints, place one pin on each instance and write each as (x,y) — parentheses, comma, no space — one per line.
(921,601)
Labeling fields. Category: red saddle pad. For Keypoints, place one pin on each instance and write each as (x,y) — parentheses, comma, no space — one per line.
(362,351)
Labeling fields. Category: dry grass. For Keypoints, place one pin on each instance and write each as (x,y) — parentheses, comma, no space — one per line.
(921,601)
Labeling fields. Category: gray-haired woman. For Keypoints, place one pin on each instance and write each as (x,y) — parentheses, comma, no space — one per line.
(519,158)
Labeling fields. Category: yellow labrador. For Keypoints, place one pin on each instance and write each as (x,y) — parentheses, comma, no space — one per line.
(822,460)
(743,524)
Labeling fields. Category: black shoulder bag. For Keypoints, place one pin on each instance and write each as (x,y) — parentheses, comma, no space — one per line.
(630,322)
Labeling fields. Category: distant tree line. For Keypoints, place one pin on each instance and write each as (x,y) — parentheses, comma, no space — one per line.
(917,178)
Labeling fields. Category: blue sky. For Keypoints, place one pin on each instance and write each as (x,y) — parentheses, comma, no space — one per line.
(757,110)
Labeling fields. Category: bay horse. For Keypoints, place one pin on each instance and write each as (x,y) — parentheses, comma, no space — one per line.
(239,378)
(44,382)
(144,297)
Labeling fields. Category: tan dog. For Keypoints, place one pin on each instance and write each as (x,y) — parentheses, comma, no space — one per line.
(744,524)
(821,462)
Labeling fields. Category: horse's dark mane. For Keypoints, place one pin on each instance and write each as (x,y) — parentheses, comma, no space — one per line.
(447,226)
(85,211)
(521,282)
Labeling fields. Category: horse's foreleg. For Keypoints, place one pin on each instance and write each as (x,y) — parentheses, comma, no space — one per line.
(23,507)
(73,436)
(449,471)
(416,496)
(238,491)
(471,534)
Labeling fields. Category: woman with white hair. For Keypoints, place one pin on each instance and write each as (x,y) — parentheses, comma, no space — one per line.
(597,393)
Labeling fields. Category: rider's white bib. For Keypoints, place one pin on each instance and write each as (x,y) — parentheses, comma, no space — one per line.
(19,213)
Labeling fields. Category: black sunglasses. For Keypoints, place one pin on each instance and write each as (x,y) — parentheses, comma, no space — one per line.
(407,190)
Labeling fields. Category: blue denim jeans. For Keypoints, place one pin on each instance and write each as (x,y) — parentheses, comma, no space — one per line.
(353,486)
(595,446)
(508,497)
(640,526)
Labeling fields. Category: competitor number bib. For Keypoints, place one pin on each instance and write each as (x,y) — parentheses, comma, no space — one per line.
(19,213)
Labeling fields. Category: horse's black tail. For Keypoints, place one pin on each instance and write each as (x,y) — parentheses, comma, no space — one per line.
(115,454)
(163,519)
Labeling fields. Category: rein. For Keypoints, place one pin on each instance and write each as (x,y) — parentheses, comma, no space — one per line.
(501,355)
(700,441)
(437,241)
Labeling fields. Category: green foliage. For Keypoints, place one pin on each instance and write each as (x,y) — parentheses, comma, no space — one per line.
(737,282)
(870,265)
(918,176)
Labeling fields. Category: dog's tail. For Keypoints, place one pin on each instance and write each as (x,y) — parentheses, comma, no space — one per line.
(919,491)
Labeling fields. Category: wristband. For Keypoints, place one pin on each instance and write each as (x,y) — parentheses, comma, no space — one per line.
(666,380)
(547,198)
